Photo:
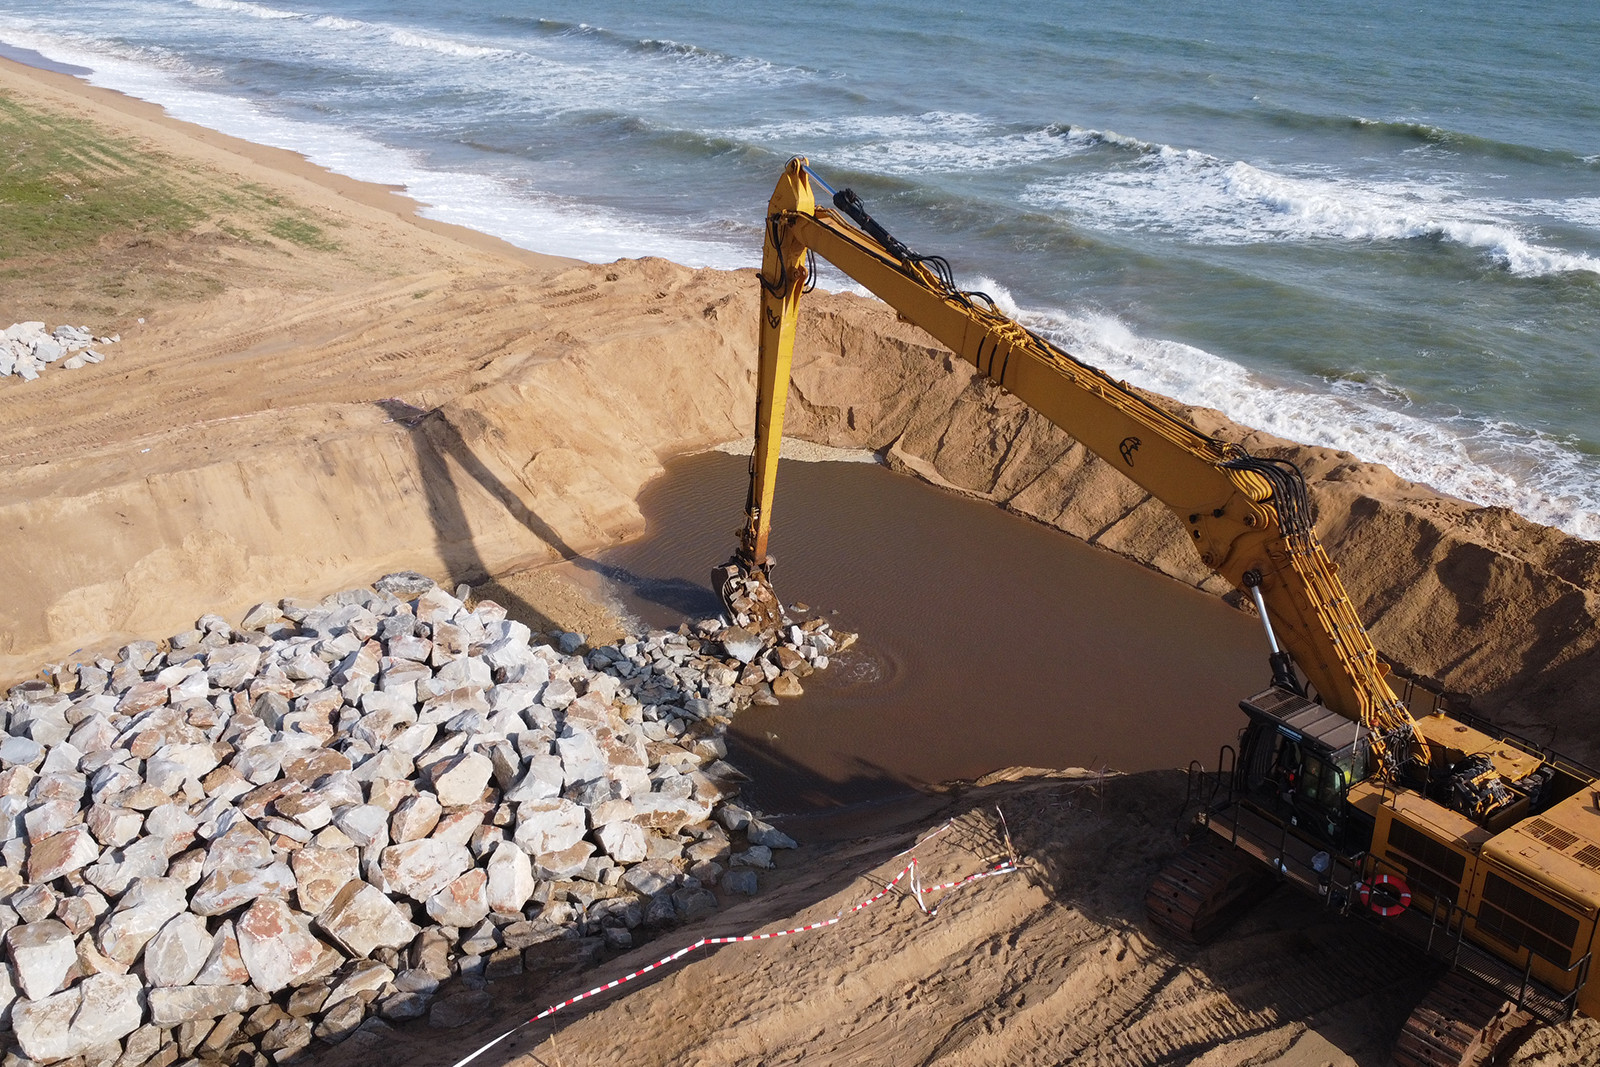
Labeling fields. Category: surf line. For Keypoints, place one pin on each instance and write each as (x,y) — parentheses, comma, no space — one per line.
(915,889)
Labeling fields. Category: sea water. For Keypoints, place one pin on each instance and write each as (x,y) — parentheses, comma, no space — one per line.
(1368,225)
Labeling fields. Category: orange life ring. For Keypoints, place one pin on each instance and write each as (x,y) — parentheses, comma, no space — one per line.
(1392,895)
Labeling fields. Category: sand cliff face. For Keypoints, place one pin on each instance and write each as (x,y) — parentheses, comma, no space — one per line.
(504,419)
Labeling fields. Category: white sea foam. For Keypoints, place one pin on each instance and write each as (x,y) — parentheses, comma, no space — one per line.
(444,45)
(240,7)
(1208,200)
(1484,461)
(904,145)
(1583,211)
(334,22)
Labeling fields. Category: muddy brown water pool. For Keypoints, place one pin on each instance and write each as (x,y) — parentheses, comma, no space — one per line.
(987,640)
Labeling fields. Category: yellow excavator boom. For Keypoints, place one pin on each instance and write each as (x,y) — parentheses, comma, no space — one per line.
(1248,517)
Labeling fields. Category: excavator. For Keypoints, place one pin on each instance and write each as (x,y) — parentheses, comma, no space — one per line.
(1380,798)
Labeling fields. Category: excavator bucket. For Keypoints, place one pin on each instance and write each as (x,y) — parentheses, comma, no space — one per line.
(748,597)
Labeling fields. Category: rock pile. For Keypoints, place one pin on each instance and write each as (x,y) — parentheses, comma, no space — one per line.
(26,349)
(245,842)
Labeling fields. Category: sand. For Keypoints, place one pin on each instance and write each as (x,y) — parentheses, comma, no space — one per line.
(326,387)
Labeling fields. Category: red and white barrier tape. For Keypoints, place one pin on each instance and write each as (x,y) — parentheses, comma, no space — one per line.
(917,892)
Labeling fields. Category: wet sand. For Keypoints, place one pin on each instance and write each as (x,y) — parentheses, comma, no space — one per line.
(987,640)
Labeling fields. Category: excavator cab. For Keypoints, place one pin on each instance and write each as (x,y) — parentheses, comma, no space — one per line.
(1299,760)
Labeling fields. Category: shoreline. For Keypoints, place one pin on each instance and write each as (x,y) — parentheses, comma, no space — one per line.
(388,198)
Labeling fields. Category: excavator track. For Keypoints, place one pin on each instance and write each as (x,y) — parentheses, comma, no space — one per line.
(1207,886)
(1460,1023)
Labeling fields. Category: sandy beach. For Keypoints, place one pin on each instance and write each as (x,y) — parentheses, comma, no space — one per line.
(315,385)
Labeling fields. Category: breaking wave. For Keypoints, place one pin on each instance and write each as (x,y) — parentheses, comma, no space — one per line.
(1488,462)
(1203,199)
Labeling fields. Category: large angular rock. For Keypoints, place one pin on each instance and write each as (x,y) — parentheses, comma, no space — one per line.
(319,874)
(581,758)
(174,1007)
(142,696)
(231,666)
(227,888)
(112,826)
(511,881)
(144,909)
(542,780)
(557,694)
(462,902)
(179,950)
(276,944)
(415,818)
(41,954)
(224,965)
(60,853)
(418,869)
(553,825)
(97,1011)
(565,863)
(363,823)
(242,845)
(624,842)
(764,833)
(651,877)
(461,780)
(360,976)
(362,920)
(668,814)
(147,857)
(741,644)
(8,995)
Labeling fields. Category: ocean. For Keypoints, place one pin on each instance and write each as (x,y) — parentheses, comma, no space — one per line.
(1365,225)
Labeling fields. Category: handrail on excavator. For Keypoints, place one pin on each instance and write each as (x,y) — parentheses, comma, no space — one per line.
(1249,517)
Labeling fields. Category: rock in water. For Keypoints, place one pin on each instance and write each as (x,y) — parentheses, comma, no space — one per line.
(741,644)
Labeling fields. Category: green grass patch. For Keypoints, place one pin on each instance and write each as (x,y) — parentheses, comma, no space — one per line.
(301,232)
(64,185)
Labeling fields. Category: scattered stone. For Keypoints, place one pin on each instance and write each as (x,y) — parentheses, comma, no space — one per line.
(740,882)
(764,833)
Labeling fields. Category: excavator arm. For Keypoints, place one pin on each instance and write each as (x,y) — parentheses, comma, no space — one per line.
(1248,517)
